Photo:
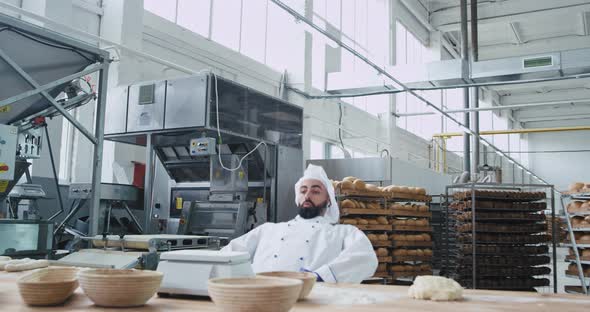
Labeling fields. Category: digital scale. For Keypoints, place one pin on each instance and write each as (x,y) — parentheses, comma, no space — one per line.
(187,272)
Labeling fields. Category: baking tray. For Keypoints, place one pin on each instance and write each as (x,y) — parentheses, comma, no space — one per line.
(408,213)
(411,243)
(411,258)
(500,195)
(507,284)
(503,228)
(491,261)
(484,272)
(381,243)
(507,250)
(494,239)
(380,227)
(491,206)
(525,217)
(409,228)
(364,212)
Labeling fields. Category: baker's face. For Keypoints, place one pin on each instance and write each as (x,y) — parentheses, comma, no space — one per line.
(312,194)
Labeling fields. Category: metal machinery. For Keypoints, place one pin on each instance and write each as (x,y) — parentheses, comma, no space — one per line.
(187,189)
(43,75)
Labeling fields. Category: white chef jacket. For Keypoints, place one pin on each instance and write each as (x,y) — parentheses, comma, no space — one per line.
(337,253)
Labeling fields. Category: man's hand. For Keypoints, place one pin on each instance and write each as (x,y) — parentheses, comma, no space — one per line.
(318,277)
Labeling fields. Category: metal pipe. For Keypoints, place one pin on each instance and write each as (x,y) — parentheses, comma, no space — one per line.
(477,84)
(515,131)
(101,102)
(475,90)
(388,75)
(500,107)
(466,99)
(55,177)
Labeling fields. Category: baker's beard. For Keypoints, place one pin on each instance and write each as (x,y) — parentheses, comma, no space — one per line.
(313,211)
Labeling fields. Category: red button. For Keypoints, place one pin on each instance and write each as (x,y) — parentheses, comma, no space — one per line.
(4,168)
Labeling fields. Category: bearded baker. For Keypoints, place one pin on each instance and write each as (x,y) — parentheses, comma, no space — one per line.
(313,241)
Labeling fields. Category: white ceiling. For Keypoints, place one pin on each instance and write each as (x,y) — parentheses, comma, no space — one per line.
(523,27)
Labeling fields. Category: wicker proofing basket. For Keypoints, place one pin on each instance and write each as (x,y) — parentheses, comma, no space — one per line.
(119,288)
(254,294)
(48,286)
(307,278)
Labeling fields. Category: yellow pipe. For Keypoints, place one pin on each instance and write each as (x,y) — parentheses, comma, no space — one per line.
(514,131)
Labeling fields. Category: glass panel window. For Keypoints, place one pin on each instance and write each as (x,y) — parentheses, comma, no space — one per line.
(194,15)
(165,9)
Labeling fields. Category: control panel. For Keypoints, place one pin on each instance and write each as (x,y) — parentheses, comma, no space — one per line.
(80,190)
(202,147)
(29,144)
(8,137)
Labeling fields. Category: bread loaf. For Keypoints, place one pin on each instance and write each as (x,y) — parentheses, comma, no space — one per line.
(349,179)
(373,222)
(372,237)
(347,203)
(404,189)
(585,253)
(382,267)
(361,221)
(349,221)
(421,191)
(396,189)
(576,187)
(346,185)
(362,205)
(382,252)
(412,252)
(382,237)
(423,208)
(382,220)
(419,253)
(359,184)
(428,252)
(371,187)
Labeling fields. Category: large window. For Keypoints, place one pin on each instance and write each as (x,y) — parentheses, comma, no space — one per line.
(410,50)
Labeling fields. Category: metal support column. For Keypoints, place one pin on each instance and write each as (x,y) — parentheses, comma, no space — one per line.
(474,91)
(465,59)
(148,183)
(97,155)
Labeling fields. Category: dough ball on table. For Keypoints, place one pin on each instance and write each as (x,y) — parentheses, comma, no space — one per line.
(347,203)
(349,179)
(372,237)
(359,185)
(361,221)
(25,266)
(382,252)
(346,185)
(382,220)
(349,221)
(373,222)
(382,237)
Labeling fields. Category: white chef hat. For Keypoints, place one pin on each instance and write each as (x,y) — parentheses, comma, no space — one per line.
(317,172)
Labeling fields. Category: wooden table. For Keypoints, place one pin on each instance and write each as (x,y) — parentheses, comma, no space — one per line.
(327,297)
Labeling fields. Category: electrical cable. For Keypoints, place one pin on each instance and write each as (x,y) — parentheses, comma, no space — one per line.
(219,132)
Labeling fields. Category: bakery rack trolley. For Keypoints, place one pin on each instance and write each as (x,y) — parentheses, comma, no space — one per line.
(507,200)
(576,258)
(422,264)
